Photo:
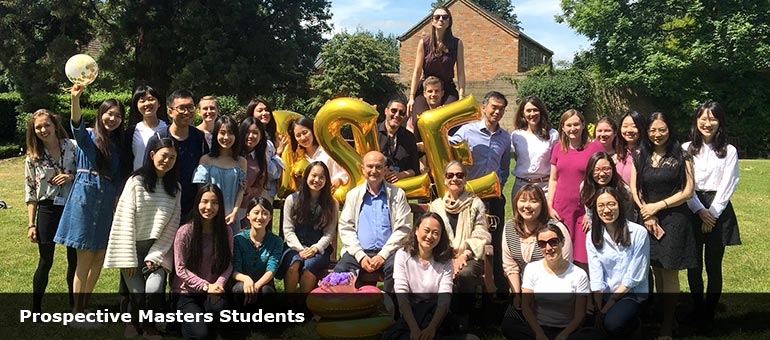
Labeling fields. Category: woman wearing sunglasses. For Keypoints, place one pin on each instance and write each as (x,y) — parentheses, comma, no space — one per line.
(520,245)
(618,261)
(554,293)
(438,54)
(465,223)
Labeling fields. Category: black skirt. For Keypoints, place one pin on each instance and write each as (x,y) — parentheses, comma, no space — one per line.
(726,228)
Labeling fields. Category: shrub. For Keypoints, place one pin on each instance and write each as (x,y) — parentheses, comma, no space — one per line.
(8,115)
(10,150)
(560,91)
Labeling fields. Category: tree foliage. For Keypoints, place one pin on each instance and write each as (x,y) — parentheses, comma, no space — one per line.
(560,90)
(243,48)
(501,8)
(356,65)
(37,39)
(682,53)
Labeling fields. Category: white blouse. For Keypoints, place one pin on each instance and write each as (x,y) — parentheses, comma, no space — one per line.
(533,155)
(714,174)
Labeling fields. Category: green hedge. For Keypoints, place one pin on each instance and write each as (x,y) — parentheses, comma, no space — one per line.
(560,91)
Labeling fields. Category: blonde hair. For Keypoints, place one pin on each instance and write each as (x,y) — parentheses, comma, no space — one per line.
(35,146)
(563,138)
(216,102)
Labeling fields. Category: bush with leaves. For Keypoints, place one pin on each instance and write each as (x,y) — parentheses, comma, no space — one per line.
(560,90)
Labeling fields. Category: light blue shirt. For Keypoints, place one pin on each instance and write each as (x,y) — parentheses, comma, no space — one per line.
(491,151)
(374,220)
(615,265)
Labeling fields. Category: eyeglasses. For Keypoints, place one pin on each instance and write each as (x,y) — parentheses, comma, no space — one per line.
(606,170)
(184,108)
(458,175)
(611,205)
(552,242)
(436,17)
(394,110)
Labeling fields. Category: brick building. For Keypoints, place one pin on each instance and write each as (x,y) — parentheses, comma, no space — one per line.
(493,48)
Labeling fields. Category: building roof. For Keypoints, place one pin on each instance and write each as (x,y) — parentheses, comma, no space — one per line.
(494,18)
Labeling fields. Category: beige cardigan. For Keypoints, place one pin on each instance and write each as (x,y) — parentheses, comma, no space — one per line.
(473,239)
(400,220)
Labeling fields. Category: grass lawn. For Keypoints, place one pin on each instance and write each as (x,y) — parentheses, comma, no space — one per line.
(746,267)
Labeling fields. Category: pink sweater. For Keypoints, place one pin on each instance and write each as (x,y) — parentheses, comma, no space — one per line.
(187,281)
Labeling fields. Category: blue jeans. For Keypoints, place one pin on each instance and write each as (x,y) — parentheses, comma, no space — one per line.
(622,318)
(145,293)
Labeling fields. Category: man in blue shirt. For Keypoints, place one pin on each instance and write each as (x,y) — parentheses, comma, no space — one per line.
(490,148)
(374,221)
(190,143)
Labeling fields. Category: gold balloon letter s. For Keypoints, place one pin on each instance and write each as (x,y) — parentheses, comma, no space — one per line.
(363,119)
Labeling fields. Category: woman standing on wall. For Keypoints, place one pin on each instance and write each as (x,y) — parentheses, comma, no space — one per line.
(437,55)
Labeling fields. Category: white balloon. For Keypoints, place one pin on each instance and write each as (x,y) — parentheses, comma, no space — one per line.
(81,69)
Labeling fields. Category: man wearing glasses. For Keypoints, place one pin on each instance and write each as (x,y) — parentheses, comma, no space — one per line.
(191,143)
(397,143)
(490,146)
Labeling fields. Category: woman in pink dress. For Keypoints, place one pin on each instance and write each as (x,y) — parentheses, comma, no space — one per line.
(568,165)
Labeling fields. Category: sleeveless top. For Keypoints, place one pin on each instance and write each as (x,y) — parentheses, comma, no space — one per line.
(514,245)
(442,66)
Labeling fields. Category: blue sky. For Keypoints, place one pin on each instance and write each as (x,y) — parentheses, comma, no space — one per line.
(397,16)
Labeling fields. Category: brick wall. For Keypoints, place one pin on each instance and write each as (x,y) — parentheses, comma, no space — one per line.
(489,51)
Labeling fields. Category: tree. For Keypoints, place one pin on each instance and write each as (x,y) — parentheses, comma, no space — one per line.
(502,8)
(243,48)
(682,53)
(38,38)
(355,65)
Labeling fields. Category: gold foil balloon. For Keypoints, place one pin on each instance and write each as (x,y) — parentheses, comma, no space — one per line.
(81,69)
(415,186)
(363,119)
(434,126)
(292,161)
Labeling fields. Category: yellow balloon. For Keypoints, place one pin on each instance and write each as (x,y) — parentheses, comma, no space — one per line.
(434,126)
(81,69)
(363,119)
(484,186)
(415,186)
(292,161)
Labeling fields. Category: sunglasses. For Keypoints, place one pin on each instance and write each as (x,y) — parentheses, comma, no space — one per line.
(552,242)
(397,111)
(441,16)
(458,175)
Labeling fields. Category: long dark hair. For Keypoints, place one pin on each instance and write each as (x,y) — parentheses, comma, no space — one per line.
(35,146)
(134,116)
(265,204)
(621,236)
(447,43)
(621,148)
(259,149)
(147,173)
(222,251)
(302,212)
(232,126)
(442,252)
(719,142)
(673,151)
(590,187)
(543,126)
(104,139)
(271,127)
(530,190)
(301,121)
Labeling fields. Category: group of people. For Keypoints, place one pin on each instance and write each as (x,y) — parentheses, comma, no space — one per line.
(166,201)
